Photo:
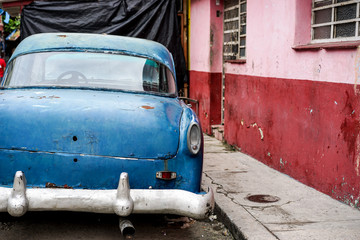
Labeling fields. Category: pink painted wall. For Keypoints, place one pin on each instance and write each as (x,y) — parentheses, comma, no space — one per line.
(200,35)
(216,36)
(206,38)
(273,28)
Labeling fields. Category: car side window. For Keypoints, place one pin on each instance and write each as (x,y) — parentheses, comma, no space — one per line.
(151,76)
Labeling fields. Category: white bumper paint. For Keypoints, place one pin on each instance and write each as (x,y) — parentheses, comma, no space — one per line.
(122,201)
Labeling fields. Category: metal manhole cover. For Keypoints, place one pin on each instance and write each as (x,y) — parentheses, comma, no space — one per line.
(261,198)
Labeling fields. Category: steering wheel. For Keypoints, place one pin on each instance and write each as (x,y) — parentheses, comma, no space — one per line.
(74,76)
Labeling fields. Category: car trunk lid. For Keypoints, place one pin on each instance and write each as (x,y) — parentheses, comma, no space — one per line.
(104,123)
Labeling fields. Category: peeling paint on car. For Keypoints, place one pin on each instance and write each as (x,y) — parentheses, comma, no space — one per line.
(147,107)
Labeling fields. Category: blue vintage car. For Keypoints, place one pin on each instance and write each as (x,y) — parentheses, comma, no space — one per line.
(93,123)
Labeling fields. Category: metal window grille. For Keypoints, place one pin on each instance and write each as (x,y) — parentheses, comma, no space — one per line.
(234,29)
(334,20)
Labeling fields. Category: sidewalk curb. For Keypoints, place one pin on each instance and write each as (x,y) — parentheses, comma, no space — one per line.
(241,224)
(224,218)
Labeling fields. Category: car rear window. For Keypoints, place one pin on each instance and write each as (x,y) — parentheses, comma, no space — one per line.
(90,69)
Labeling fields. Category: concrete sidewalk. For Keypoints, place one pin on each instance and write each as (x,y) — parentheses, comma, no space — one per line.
(300,212)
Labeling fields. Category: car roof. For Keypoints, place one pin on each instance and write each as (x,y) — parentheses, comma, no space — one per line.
(81,42)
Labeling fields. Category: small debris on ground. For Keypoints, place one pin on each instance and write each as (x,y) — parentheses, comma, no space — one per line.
(5,226)
(212,218)
(180,222)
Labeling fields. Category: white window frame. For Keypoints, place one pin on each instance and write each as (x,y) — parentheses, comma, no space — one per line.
(241,25)
(333,23)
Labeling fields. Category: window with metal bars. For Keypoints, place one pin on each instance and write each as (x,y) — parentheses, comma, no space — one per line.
(234,29)
(335,20)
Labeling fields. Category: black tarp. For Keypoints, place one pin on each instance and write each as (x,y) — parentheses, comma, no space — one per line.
(150,19)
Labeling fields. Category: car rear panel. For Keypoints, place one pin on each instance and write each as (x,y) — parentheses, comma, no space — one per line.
(60,140)
(55,170)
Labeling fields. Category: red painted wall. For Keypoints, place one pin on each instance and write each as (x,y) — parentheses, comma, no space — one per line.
(296,111)
(205,87)
(308,130)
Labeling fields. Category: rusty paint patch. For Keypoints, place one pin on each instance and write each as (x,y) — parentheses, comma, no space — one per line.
(53,185)
(53,96)
(147,107)
(45,97)
(40,97)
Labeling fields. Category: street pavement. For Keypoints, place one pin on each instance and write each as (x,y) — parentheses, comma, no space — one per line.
(286,209)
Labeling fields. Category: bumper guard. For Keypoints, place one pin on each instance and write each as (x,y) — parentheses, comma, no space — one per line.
(122,201)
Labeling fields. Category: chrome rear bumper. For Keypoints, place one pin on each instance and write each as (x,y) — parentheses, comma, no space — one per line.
(122,201)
